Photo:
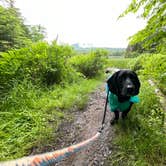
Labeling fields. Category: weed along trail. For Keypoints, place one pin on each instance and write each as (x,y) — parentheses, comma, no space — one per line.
(85,125)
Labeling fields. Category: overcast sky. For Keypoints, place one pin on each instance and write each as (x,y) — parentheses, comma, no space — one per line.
(92,22)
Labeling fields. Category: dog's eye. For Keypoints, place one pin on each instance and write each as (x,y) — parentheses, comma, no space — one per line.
(132,77)
(123,78)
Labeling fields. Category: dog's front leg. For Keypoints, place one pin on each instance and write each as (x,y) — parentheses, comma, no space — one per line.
(115,118)
(124,114)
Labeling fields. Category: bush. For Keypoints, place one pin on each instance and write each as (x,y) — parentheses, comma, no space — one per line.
(89,65)
(152,66)
(40,63)
(57,68)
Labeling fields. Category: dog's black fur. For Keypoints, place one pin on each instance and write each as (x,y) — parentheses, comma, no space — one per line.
(124,84)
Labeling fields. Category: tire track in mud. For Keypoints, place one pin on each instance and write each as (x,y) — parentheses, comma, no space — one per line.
(85,125)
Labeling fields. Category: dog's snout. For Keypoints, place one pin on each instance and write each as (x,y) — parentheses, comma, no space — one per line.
(130,88)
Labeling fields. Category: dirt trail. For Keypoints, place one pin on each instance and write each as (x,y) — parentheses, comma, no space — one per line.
(85,125)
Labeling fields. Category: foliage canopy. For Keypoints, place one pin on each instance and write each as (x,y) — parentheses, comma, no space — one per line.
(153,37)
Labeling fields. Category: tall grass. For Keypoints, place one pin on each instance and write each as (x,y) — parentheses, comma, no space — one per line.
(140,140)
(38,89)
(32,115)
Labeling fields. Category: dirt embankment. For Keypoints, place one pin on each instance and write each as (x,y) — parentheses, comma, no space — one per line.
(85,125)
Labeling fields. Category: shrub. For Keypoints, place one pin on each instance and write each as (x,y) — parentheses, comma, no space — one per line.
(39,63)
(152,66)
(89,65)
(57,68)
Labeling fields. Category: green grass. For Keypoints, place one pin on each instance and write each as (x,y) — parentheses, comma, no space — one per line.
(30,116)
(39,88)
(117,62)
(140,140)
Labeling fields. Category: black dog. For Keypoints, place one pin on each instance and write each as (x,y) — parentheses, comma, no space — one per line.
(123,86)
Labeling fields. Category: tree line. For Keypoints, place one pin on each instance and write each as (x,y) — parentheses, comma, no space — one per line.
(14,33)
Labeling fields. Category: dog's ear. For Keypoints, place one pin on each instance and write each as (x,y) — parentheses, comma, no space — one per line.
(112,83)
(137,83)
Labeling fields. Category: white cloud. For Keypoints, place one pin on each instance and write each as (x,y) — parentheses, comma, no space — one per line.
(82,21)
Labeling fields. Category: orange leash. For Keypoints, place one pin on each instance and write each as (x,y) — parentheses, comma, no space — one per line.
(49,159)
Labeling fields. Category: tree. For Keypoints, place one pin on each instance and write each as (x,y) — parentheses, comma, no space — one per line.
(12,29)
(13,32)
(9,3)
(37,33)
(153,37)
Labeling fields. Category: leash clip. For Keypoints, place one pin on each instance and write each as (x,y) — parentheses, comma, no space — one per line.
(101,128)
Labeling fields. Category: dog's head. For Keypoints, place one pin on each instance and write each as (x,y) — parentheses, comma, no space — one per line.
(124,83)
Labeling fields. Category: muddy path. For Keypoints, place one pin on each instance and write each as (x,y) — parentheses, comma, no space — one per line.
(85,125)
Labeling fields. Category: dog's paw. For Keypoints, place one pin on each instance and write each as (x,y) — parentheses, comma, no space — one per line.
(124,116)
(113,121)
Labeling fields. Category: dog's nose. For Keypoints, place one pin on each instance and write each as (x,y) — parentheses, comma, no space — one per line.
(130,88)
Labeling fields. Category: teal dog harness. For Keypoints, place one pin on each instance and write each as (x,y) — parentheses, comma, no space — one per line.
(114,104)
